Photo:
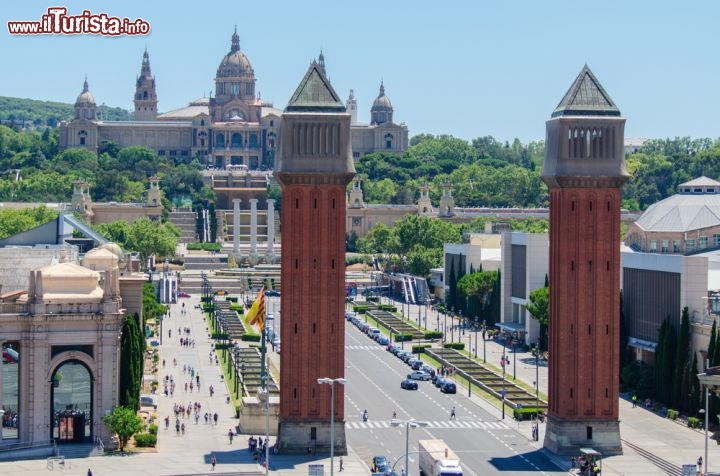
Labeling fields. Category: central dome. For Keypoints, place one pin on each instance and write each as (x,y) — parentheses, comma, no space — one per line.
(235,63)
(85,98)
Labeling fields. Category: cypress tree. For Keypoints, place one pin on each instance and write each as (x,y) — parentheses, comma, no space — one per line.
(693,404)
(659,359)
(668,367)
(681,359)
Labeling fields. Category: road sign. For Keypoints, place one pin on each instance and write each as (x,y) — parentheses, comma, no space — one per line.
(316,470)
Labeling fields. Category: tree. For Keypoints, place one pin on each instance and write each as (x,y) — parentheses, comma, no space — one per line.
(476,293)
(539,307)
(125,423)
(145,236)
(680,383)
(14,221)
(132,355)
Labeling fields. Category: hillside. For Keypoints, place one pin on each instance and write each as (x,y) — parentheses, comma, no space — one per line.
(49,113)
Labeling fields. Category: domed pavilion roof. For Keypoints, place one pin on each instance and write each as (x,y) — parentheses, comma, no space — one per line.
(235,63)
(85,98)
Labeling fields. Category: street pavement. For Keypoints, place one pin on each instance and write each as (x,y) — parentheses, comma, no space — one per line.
(642,431)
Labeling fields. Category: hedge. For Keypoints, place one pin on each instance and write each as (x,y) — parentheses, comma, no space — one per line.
(402,337)
(219,335)
(433,335)
(420,349)
(360,309)
(250,337)
(153,429)
(144,440)
(693,422)
(203,246)
(672,414)
(455,345)
(239,308)
(387,307)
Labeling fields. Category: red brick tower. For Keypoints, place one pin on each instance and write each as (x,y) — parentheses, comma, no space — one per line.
(314,167)
(584,169)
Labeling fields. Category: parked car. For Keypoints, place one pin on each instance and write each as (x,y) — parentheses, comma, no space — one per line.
(417,365)
(427,368)
(373,332)
(272,293)
(448,387)
(383,340)
(183,294)
(419,375)
(409,384)
(439,382)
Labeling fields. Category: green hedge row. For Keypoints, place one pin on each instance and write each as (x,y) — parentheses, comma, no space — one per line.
(387,307)
(203,246)
(219,335)
(239,308)
(360,309)
(433,335)
(455,345)
(145,440)
(402,337)
(525,413)
(420,348)
(250,337)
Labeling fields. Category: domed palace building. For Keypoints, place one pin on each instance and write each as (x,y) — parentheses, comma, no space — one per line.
(233,128)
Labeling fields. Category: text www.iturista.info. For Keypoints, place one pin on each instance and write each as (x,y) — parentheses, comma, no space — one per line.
(57,22)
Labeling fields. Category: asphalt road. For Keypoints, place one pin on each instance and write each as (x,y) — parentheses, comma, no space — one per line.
(484,444)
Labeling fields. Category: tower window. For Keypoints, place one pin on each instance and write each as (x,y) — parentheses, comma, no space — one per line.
(571,392)
(589,329)
(313,330)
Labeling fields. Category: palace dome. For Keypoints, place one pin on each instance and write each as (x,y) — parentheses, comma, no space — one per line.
(235,63)
(85,98)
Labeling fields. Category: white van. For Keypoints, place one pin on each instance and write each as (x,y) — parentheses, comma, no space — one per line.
(373,333)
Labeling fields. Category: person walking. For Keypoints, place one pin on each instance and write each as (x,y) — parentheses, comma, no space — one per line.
(230,435)
(341,464)
(452,413)
(213,461)
(634,401)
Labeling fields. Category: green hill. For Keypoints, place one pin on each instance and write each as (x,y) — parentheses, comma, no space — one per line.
(49,113)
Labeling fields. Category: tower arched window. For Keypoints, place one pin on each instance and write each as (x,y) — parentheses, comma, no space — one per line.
(145,95)
(236,141)
(388,141)
(83,136)
(220,140)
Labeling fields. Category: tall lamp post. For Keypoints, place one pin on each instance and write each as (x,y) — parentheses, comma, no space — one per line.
(412,423)
(484,329)
(332,382)
(537,390)
(477,328)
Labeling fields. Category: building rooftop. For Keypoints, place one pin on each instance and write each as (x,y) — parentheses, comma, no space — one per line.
(586,97)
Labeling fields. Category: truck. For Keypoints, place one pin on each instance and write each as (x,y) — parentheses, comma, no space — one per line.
(437,459)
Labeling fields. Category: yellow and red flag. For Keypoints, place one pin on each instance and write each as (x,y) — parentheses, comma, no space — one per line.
(256,314)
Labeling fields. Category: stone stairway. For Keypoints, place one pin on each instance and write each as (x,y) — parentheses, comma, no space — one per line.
(79,450)
(186,222)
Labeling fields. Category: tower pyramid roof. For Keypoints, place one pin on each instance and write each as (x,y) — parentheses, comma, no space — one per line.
(586,97)
(315,93)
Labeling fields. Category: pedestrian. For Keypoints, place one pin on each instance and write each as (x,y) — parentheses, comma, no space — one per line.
(452,413)
(341,464)
(89,472)
(182,428)
(634,401)
(213,461)
(167,422)
(215,417)
(230,435)
(177,427)
(699,464)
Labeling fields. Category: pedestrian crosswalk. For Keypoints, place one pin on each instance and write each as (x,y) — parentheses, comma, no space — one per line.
(364,347)
(459,424)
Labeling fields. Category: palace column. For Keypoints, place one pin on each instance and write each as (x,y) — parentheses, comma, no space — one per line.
(236,225)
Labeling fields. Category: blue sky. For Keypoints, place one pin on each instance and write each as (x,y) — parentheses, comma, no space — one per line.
(466,68)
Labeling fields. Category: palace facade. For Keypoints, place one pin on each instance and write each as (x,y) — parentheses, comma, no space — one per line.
(234,127)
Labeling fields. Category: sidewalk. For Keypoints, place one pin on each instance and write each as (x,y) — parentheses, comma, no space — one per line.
(189,454)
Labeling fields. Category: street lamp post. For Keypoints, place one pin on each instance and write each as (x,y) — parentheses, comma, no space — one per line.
(503,387)
(484,329)
(332,382)
(537,390)
(514,357)
(476,333)
(408,424)
(452,324)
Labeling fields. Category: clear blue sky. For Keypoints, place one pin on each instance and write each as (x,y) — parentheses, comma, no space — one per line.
(467,68)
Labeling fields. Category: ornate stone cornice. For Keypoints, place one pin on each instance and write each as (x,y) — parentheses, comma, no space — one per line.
(292,178)
(584,182)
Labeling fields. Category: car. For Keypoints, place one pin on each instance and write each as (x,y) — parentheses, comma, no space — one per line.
(417,365)
(373,332)
(272,293)
(183,294)
(448,387)
(380,464)
(439,382)
(383,340)
(349,315)
(409,384)
(427,368)
(419,375)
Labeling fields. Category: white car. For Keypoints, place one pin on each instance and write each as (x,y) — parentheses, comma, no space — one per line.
(419,375)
